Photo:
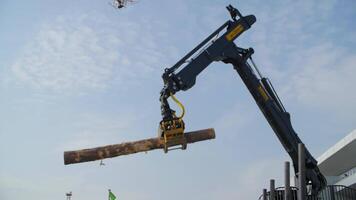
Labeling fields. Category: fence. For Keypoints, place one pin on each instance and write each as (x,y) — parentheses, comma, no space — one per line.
(331,192)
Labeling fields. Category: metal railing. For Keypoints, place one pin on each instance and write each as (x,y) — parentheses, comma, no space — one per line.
(279,194)
(331,192)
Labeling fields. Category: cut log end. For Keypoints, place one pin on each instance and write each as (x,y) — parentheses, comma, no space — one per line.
(109,151)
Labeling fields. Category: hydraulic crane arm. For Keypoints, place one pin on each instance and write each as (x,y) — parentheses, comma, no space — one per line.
(222,48)
(214,51)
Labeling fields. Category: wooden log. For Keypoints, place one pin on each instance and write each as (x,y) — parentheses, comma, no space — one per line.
(109,151)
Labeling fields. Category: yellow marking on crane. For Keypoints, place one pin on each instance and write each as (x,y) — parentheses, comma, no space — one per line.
(238,29)
(262,92)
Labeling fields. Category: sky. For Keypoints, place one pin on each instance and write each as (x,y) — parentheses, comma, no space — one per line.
(80,74)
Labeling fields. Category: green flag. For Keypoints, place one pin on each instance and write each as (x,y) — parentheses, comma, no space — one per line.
(111,195)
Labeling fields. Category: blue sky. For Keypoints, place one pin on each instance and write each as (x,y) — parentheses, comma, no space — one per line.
(82,74)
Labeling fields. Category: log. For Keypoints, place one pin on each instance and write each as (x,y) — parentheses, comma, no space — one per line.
(109,151)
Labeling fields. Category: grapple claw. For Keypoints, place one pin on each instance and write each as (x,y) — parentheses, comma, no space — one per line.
(172,132)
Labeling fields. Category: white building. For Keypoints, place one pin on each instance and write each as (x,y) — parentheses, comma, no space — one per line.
(338,163)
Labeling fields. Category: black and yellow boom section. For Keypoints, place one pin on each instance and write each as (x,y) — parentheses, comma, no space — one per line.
(209,50)
(216,47)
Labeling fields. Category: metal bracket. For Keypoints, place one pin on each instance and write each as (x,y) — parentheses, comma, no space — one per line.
(172,132)
(233,12)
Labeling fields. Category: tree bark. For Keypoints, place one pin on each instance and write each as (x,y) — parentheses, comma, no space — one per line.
(109,151)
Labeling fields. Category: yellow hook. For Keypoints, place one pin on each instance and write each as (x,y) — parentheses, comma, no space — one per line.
(180,105)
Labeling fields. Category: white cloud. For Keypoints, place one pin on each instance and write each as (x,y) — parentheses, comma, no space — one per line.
(325,79)
(281,33)
(80,53)
(65,57)
(303,55)
(93,130)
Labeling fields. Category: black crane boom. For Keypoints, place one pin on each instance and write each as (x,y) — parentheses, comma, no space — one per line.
(223,49)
